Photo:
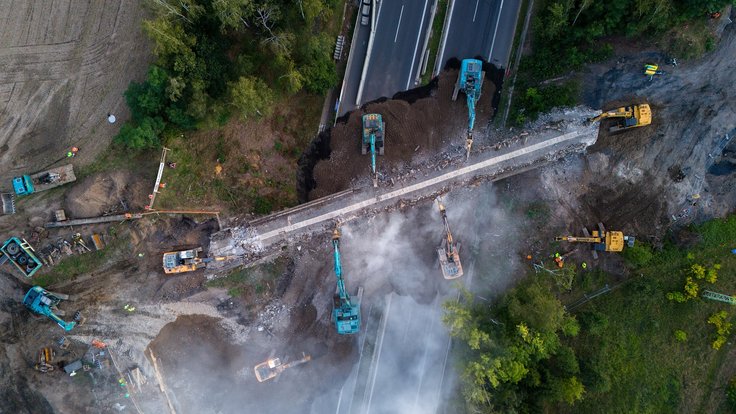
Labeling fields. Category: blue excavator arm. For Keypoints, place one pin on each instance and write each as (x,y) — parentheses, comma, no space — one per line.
(344,298)
(470,95)
(373,153)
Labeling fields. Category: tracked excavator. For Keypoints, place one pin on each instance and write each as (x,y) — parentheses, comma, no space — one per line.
(42,302)
(345,313)
(272,367)
(373,132)
(448,253)
(470,82)
(630,117)
(601,240)
(188,261)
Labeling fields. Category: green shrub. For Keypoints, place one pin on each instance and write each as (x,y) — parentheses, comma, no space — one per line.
(680,336)
(731,393)
(639,255)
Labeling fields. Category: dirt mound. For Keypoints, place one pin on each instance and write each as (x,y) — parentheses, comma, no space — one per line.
(415,130)
(105,193)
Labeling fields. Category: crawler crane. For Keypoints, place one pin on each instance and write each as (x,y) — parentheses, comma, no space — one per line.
(448,253)
(345,313)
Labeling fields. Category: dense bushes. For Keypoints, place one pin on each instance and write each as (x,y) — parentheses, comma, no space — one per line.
(227,56)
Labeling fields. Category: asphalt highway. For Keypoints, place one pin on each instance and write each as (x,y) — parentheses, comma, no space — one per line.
(481,28)
(401,26)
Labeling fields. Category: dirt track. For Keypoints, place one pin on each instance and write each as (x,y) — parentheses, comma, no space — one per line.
(63,67)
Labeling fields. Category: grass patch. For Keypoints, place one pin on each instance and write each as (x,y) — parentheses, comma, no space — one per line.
(434,40)
(258,282)
(690,41)
(71,267)
(652,349)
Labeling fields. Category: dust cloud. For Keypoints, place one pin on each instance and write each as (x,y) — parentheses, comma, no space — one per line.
(400,362)
(394,258)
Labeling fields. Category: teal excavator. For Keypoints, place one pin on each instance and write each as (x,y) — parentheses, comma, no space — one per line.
(470,82)
(42,302)
(345,313)
(373,130)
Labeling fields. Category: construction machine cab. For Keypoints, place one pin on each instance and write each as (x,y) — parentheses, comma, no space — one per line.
(23,185)
(182,261)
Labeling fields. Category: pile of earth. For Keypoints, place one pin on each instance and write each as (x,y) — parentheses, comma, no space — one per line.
(106,193)
(416,128)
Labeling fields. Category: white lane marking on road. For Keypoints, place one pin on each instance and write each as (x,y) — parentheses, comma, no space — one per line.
(433,317)
(475,13)
(500,9)
(416,46)
(399,24)
(378,354)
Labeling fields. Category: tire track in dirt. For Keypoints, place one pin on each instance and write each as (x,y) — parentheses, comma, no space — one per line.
(63,66)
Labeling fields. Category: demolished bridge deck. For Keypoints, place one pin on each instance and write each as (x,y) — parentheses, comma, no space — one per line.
(258,236)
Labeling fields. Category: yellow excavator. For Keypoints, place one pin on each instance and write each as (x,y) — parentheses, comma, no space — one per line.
(449,250)
(631,117)
(272,367)
(601,240)
(188,260)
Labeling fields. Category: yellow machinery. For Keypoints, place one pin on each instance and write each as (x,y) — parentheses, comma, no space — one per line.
(651,70)
(272,367)
(45,359)
(448,253)
(188,261)
(601,240)
(631,117)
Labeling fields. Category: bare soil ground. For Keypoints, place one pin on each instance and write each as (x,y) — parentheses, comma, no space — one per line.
(414,132)
(64,66)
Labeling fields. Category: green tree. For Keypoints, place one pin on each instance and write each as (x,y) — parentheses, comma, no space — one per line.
(144,135)
(148,98)
(568,390)
(318,69)
(233,14)
(251,97)
(173,43)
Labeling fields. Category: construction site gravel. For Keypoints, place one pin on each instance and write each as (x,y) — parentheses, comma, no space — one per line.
(192,340)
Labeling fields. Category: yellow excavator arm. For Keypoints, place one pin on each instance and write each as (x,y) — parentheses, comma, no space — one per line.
(624,112)
(574,239)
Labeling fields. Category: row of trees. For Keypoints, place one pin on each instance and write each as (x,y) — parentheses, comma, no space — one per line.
(516,358)
(217,57)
